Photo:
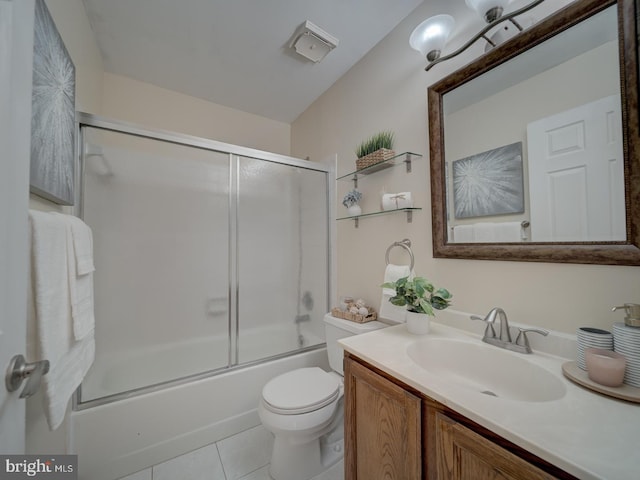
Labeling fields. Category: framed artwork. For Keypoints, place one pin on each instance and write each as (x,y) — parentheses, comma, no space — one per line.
(52,113)
(489,183)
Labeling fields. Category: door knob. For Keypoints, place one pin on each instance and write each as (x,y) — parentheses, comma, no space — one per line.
(19,369)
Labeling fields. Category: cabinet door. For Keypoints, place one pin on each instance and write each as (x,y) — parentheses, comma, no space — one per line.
(462,454)
(382,427)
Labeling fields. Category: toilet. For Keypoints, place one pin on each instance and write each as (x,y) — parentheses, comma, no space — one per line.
(304,410)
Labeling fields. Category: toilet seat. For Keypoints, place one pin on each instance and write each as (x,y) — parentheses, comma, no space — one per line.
(300,391)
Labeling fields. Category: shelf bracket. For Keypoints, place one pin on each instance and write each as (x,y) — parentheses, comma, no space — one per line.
(408,162)
(356,221)
(409,216)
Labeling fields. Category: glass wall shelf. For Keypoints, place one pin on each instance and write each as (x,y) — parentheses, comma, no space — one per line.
(356,218)
(406,158)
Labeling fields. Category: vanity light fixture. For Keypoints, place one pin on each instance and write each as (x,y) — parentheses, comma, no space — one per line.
(312,42)
(430,36)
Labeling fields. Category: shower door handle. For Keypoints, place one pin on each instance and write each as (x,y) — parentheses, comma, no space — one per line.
(19,370)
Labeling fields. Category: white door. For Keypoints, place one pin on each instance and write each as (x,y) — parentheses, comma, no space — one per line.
(576,174)
(16,46)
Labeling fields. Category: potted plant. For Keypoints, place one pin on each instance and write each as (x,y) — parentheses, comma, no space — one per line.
(421,299)
(351,200)
(374,150)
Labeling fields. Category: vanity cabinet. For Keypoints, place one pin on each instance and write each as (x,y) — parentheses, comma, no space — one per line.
(382,427)
(462,453)
(395,432)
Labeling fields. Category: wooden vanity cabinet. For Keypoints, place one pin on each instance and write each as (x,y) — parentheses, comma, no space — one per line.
(463,454)
(382,427)
(394,432)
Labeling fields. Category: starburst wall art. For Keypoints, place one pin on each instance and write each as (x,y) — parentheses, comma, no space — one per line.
(52,113)
(489,183)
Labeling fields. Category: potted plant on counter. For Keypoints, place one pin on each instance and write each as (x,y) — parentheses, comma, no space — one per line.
(421,299)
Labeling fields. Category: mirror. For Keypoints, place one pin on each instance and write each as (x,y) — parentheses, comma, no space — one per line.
(512,134)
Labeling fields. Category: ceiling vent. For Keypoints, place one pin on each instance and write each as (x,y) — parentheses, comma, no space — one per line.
(312,42)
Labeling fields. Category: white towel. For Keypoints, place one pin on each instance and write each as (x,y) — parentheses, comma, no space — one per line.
(82,245)
(388,311)
(485,232)
(69,359)
(488,232)
(463,234)
(80,267)
(508,232)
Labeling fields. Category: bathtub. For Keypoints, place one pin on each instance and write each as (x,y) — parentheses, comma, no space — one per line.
(141,429)
(133,372)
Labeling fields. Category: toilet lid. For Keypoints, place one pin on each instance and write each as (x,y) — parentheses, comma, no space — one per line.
(300,391)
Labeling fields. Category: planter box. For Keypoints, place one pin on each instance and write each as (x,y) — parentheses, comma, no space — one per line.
(378,156)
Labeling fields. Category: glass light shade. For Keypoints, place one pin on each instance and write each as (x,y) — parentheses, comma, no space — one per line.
(432,34)
(484,6)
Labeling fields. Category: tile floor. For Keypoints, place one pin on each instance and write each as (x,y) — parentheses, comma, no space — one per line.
(244,456)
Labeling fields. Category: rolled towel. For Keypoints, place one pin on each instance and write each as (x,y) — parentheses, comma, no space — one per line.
(394,201)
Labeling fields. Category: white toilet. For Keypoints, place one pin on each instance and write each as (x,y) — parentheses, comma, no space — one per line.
(304,410)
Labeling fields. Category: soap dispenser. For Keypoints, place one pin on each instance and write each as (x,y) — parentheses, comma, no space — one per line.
(633,314)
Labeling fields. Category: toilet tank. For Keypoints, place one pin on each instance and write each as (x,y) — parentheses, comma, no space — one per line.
(337,328)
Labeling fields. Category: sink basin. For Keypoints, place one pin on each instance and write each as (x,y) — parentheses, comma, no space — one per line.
(486,369)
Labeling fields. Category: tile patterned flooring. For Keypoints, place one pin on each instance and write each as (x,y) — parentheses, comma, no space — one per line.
(244,456)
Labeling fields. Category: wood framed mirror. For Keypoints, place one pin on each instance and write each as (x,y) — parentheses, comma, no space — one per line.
(445,135)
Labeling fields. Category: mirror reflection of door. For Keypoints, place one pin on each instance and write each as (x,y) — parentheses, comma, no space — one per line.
(576,186)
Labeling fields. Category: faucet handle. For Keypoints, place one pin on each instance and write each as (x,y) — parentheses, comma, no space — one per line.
(489,332)
(523,340)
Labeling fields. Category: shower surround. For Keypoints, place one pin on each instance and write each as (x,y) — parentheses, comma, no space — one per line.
(208,256)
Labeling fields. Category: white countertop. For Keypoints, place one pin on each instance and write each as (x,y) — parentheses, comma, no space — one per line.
(589,435)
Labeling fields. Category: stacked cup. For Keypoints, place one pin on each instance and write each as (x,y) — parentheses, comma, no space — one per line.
(589,337)
(627,343)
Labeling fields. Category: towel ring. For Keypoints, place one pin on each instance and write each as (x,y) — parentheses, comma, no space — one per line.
(406,244)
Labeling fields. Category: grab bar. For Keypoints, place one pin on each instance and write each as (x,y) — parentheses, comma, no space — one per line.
(406,244)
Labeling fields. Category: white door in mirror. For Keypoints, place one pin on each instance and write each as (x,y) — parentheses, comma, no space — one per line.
(577,186)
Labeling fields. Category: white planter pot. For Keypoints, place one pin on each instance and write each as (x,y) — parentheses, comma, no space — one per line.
(354,210)
(418,323)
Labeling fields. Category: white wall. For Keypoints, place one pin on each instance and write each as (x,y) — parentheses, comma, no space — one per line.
(155,107)
(387,90)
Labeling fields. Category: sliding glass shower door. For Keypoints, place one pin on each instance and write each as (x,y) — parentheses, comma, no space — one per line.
(282,258)
(159,214)
(208,256)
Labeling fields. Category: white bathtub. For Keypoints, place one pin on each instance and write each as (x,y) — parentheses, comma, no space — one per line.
(130,434)
(113,374)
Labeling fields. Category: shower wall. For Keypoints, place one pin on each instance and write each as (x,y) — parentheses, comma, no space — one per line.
(203,244)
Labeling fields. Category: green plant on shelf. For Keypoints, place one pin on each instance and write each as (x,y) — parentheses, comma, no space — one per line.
(376,142)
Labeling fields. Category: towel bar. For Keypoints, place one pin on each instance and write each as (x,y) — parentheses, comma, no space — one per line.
(406,244)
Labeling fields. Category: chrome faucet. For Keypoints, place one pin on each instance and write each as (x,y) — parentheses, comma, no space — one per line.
(502,338)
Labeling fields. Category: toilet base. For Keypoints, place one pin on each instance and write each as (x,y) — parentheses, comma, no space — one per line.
(291,461)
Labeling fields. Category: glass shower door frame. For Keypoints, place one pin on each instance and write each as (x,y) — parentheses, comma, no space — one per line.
(235,153)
